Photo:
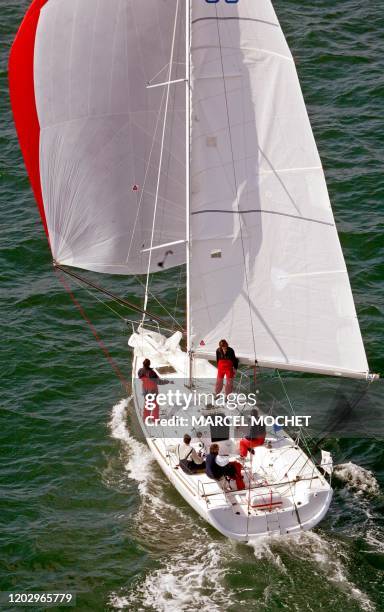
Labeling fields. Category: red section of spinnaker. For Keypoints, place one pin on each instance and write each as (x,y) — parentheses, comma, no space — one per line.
(22,90)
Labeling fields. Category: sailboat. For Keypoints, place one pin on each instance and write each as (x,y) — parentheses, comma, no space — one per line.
(160,134)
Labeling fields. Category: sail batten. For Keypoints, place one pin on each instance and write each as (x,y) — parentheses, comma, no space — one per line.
(267,269)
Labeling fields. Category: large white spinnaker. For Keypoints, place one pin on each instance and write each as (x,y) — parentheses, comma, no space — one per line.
(267,269)
(98,130)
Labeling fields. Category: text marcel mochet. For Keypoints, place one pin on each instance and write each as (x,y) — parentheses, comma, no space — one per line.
(234,420)
(232,401)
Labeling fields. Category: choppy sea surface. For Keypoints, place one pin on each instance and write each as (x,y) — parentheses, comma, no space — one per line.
(84,508)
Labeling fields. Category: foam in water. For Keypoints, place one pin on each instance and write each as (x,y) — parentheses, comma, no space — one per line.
(139,465)
(311,548)
(374,538)
(328,555)
(190,577)
(195,576)
(262,547)
(357,478)
(363,485)
(117,422)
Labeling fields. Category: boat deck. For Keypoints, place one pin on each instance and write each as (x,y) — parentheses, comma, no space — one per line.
(284,493)
(264,471)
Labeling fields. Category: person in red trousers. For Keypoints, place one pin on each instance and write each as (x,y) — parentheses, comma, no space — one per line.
(231,469)
(227,364)
(150,381)
(256,436)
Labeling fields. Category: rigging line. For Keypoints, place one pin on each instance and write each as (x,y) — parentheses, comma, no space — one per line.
(157,73)
(158,301)
(100,300)
(295,506)
(179,289)
(103,347)
(119,300)
(249,494)
(161,158)
(301,432)
(336,421)
(169,157)
(235,180)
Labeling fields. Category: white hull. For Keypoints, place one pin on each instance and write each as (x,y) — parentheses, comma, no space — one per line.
(282,472)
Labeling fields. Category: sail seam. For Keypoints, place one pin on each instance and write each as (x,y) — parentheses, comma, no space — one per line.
(244,48)
(261,210)
(217,18)
(276,171)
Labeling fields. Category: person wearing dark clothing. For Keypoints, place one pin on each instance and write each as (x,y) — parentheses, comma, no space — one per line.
(225,352)
(150,378)
(256,436)
(215,471)
(227,364)
(150,381)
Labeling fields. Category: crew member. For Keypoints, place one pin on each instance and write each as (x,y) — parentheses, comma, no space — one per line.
(215,471)
(227,364)
(256,436)
(189,459)
(150,381)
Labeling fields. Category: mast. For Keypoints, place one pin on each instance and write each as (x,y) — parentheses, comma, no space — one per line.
(187,174)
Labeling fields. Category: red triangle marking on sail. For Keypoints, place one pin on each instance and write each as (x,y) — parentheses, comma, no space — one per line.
(135,188)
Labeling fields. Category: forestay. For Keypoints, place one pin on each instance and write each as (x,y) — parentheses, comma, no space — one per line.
(95,157)
(267,270)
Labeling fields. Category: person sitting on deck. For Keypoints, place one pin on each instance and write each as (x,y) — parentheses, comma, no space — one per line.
(150,381)
(189,459)
(231,470)
(227,364)
(256,436)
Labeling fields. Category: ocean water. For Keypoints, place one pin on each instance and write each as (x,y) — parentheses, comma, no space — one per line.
(84,507)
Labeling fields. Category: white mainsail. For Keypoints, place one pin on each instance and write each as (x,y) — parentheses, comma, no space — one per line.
(101,131)
(267,271)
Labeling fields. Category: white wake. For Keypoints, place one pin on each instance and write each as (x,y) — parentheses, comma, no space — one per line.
(318,553)
(357,479)
(192,573)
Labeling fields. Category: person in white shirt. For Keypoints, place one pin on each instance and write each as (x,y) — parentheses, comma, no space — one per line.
(189,459)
